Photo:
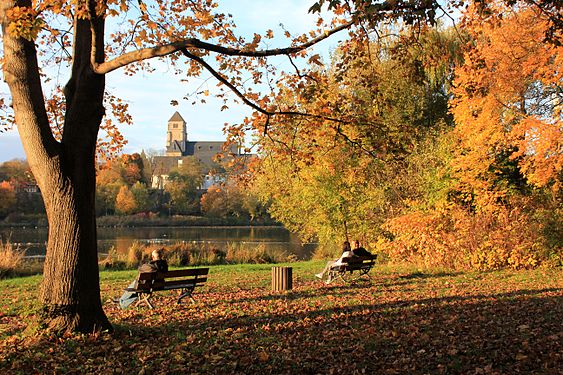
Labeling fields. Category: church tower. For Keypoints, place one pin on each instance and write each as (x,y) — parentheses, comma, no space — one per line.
(177,135)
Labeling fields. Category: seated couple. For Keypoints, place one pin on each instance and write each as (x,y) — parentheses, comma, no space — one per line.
(347,252)
(157,264)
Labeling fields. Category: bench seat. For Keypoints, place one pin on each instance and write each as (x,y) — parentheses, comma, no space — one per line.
(347,270)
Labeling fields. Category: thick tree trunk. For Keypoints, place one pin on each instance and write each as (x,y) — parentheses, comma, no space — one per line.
(65,172)
(70,292)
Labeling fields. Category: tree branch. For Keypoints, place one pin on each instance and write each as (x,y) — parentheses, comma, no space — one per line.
(270,114)
(84,90)
(193,43)
(246,101)
(22,74)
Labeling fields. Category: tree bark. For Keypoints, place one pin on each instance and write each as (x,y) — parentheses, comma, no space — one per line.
(65,173)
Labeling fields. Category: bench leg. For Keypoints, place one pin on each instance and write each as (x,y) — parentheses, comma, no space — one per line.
(364,272)
(334,275)
(186,292)
(346,276)
(331,276)
(146,299)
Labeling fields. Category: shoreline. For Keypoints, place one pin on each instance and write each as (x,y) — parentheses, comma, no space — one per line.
(135,221)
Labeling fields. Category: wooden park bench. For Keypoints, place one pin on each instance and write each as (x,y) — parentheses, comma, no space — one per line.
(347,270)
(186,280)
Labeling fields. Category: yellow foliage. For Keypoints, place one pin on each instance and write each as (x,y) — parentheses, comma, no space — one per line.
(25,22)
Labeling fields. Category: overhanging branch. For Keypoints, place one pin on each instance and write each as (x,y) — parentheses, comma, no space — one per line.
(194,43)
(270,114)
(248,102)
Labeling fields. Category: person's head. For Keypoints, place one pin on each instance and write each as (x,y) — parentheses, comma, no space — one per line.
(356,244)
(157,254)
(346,246)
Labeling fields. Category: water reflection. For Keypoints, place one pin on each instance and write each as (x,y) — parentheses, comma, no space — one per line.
(274,238)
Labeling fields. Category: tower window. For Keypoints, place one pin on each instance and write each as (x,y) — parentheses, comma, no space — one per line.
(175,126)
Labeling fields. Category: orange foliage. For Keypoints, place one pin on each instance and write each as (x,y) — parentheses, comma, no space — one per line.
(502,210)
(125,201)
(7,196)
(508,102)
(458,239)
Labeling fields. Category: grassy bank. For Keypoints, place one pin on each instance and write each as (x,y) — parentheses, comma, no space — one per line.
(404,321)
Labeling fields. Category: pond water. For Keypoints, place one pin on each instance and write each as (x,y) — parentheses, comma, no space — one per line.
(274,238)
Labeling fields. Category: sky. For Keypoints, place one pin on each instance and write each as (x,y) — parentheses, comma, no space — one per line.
(149,95)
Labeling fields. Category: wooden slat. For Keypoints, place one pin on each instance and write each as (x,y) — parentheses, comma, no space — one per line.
(154,281)
(358,259)
(186,272)
(172,274)
(181,286)
(147,276)
(198,281)
(282,278)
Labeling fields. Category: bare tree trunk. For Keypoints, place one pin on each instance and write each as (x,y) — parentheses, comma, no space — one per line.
(65,172)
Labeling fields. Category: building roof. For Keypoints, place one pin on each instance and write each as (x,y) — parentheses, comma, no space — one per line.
(199,147)
(176,117)
(176,146)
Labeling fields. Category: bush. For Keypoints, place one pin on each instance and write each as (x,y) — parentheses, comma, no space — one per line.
(459,239)
(11,259)
(183,254)
(330,251)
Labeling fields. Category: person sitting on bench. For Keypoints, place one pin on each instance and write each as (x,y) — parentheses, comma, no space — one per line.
(360,251)
(346,253)
(157,264)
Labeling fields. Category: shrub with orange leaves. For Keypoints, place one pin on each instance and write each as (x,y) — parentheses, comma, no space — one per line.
(457,238)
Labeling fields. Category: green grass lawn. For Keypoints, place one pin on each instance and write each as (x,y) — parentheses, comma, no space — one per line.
(404,321)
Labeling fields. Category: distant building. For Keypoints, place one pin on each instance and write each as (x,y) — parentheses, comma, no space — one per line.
(178,148)
(29,188)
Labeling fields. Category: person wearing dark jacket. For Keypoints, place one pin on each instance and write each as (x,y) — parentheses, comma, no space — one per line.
(157,264)
(360,251)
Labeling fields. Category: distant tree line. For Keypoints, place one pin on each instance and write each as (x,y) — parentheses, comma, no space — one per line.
(18,190)
(123,187)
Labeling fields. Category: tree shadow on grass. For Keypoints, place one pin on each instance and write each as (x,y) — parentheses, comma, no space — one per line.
(422,275)
(340,289)
(512,332)
(509,332)
(376,307)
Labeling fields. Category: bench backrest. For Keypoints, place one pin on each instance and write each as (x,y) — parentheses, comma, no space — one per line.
(171,279)
(354,263)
